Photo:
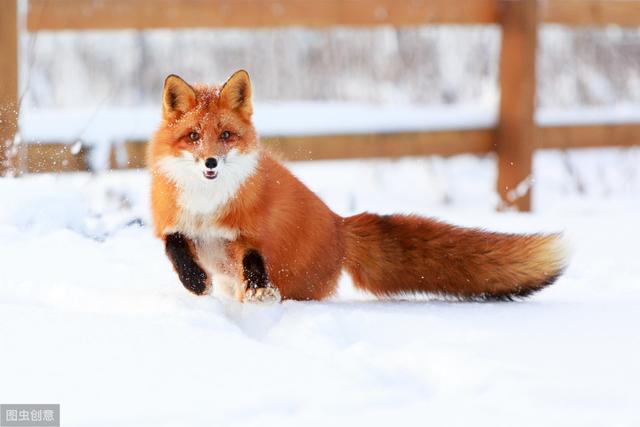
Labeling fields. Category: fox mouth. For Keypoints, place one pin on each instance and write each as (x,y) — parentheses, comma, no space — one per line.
(210,174)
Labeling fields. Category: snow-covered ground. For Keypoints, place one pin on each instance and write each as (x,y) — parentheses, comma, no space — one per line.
(93,317)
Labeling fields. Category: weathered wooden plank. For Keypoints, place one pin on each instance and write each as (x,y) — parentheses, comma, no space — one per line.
(516,129)
(591,12)
(53,158)
(442,143)
(588,136)
(8,83)
(57,157)
(48,157)
(145,14)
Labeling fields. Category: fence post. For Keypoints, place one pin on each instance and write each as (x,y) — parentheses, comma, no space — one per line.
(8,83)
(516,128)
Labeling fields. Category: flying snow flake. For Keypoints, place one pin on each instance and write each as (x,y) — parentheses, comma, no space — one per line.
(76,147)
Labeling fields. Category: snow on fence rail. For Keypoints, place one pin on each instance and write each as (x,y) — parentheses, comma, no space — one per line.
(514,136)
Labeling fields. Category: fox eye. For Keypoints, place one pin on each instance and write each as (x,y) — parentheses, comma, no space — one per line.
(225,135)
(194,136)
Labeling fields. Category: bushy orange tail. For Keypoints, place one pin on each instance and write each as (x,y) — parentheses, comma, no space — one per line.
(398,254)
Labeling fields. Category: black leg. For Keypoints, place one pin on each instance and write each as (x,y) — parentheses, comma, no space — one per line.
(255,273)
(192,276)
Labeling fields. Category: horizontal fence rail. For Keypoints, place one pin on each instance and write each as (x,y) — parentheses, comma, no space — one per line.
(145,14)
(54,157)
(148,14)
(514,139)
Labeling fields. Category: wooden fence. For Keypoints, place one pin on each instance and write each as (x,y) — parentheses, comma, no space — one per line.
(514,139)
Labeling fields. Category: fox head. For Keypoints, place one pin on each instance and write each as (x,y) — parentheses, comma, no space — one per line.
(206,142)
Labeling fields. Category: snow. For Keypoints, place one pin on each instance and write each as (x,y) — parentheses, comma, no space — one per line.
(621,113)
(93,317)
(305,118)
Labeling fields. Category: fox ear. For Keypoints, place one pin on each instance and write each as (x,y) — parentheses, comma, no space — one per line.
(177,96)
(236,93)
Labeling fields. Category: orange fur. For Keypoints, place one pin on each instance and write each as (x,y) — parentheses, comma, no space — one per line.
(304,244)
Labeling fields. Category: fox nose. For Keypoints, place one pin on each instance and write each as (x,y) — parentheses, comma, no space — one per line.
(211,162)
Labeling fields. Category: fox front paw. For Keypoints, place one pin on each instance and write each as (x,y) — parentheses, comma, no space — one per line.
(181,252)
(265,295)
(197,283)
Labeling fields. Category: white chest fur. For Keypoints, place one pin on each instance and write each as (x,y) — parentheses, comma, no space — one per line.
(200,196)
(202,228)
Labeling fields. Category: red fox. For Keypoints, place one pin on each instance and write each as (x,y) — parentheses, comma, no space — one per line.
(229,212)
